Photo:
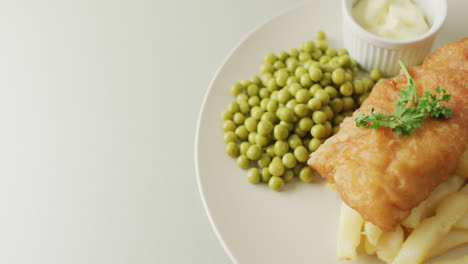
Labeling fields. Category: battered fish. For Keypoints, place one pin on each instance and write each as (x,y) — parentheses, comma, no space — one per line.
(384,176)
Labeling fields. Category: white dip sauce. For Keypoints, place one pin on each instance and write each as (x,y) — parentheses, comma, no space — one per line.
(391,19)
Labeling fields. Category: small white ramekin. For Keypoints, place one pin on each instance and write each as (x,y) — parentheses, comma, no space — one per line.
(373,52)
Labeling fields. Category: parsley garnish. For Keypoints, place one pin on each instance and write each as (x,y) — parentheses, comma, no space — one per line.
(404,120)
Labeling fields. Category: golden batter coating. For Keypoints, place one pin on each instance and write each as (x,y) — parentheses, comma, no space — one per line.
(384,176)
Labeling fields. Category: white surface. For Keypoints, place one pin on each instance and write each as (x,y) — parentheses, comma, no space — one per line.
(98,106)
(255,224)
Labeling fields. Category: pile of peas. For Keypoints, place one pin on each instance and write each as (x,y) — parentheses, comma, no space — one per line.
(299,101)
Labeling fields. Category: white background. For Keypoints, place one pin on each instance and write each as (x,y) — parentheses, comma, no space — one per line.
(98,108)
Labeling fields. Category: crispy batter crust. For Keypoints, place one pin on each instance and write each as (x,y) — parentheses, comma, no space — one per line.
(384,176)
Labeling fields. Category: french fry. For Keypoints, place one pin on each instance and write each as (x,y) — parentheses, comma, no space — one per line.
(453,239)
(462,167)
(368,247)
(389,244)
(427,207)
(372,233)
(417,246)
(349,232)
(462,260)
(462,223)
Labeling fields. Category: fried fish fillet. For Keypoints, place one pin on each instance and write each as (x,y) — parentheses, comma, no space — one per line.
(384,176)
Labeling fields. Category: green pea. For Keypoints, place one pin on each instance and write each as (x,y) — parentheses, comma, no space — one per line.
(289,161)
(301,110)
(305,80)
(314,104)
(252,138)
(264,93)
(252,90)
(285,114)
(331,52)
(265,175)
(264,160)
(256,112)
(283,55)
(301,133)
(270,151)
(314,88)
(318,131)
(375,75)
(326,79)
(314,144)
(320,35)
(232,149)
(348,103)
(358,87)
(328,111)
(338,76)
(226,115)
(230,137)
(324,59)
(308,46)
(299,72)
(346,89)
(347,113)
(254,101)
(276,183)
(256,79)
(281,79)
(344,60)
(288,175)
(266,68)
(243,162)
(306,174)
(322,96)
(242,98)
(302,96)
(246,83)
(337,120)
(272,106)
(228,125)
(331,91)
(301,154)
(253,175)
(304,56)
(243,147)
(280,132)
(294,141)
(337,105)
(329,128)
(272,85)
(269,58)
(236,89)
(291,104)
(294,88)
(279,65)
(251,124)
(305,123)
(319,117)
(244,107)
(349,76)
(335,129)
(283,96)
(269,116)
(262,140)
(362,98)
(254,152)
(281,147)
(242,132)
(291,80)
(289,125)
(264,127)
(276,168)
(294,52)
(292,65)
(322,45)
(315,74)
(368,83)
(306,141)
(342,52)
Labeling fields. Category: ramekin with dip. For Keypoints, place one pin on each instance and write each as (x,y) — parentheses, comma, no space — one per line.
(377,33)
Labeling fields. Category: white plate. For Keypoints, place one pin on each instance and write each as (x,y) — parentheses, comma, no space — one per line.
(253,223)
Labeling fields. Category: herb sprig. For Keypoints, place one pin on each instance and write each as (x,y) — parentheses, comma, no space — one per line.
(404,120)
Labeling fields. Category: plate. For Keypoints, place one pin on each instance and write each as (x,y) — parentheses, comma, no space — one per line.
(253,223)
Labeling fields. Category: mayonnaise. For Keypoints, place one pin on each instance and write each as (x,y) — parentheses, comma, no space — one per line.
(391,19)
